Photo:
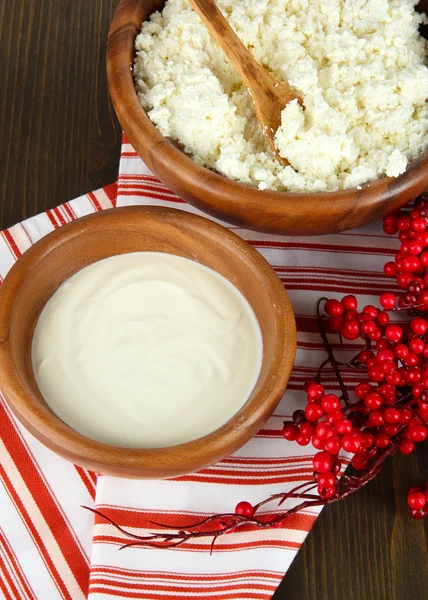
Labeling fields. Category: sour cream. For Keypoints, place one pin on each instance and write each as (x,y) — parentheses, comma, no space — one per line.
(146,350)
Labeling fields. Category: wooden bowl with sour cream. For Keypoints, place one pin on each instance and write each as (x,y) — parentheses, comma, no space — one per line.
(55,258)
(285,213)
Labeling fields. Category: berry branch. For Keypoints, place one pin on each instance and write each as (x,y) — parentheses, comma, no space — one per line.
(389,412)
(331,359)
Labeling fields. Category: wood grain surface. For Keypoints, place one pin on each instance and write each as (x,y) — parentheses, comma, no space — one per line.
(58,133)
(59,138)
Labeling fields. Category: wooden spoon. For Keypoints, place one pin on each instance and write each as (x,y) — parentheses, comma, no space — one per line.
(269,95)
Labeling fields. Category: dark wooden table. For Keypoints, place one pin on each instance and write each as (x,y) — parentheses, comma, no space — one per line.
(59,138)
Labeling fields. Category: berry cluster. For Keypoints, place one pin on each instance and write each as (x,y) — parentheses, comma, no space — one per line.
(390,407)
(409,266)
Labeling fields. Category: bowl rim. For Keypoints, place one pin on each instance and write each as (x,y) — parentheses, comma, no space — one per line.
(49,429)
(134,120)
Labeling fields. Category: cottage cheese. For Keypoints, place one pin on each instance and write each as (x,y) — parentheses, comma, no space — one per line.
(360,67)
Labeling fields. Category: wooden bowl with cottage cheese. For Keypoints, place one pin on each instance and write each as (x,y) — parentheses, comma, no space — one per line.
(33,284)
(289,213)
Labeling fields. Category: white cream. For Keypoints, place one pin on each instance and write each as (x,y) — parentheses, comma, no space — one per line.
(146,350)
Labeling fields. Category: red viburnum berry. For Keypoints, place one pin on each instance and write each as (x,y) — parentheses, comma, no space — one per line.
(373,401)
(382,440)
(406,446)
(349,302)
(388,300)
(322,462)
(361,390)
(307,429)
(332,445)
(350,330)
(314,412)
(330,403)
(324,430)
(419,326)
(418,514)
(244,508)
(391,415)
(417,433)
(389,269)
(302,440)
(352,442)
(290,432)
(336,324)
(334,308)
(326,480)
(367,440)
(326,493)
(317,442)
(394,333)
(360,462)
(417,500)
(405,416)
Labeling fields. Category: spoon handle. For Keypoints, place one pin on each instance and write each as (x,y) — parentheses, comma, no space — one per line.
(268,95)
(247,67)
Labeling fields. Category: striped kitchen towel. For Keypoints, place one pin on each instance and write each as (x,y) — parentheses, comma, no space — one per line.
(49,546)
